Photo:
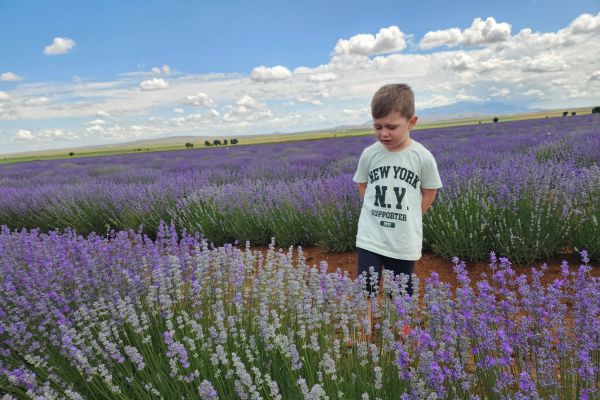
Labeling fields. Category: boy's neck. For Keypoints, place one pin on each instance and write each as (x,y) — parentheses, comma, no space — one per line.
(405,145)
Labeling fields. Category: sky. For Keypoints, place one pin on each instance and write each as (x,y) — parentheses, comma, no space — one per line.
(76,73)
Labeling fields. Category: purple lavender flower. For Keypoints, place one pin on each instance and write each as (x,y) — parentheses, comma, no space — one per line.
(206,391)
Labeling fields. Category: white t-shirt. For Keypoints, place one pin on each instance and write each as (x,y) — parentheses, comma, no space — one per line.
(390,220)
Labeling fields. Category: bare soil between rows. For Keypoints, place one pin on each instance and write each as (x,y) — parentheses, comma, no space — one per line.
(433,263)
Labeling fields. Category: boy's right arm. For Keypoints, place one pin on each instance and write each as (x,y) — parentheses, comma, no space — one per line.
(362,187)
(361,175)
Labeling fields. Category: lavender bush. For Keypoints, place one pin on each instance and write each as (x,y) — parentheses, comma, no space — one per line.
(125,316)
(527,189)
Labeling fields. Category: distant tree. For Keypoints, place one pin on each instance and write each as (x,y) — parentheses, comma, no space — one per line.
(234,141)
(71,154)
(225,142)
(495,119)
(147,149)
(479,122)
(565,113)
(216,142)
(207,143)
(573,113)
(546,116)
(596,110)
(189,145)
(139,149)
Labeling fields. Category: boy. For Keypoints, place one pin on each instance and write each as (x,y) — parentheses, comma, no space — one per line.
(398,179)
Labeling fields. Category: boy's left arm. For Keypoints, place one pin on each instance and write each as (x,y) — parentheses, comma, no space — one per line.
(428,197)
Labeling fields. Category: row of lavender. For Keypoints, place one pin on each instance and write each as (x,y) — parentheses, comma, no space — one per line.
(126,317)
(526,189)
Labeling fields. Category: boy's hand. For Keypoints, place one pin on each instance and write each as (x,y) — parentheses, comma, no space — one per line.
(428,197)
(362,187)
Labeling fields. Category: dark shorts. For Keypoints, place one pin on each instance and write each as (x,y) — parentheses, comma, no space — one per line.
(367,258)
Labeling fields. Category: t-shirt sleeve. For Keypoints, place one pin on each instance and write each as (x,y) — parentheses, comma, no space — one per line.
(362,172)
(430,177)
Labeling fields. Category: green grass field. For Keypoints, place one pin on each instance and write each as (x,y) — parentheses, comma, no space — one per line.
(129,148)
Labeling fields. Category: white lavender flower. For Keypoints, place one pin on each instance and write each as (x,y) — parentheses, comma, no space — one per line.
(378,377)
(328,365)
(135,357)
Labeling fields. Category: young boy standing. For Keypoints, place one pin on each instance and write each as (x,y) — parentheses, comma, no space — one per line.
(397,178)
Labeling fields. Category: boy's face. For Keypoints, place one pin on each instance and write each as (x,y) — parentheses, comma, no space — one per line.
(393,130)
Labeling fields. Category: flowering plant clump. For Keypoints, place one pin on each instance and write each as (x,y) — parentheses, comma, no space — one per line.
(127,317)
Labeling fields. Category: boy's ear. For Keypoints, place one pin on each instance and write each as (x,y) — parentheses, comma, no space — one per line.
(412,121)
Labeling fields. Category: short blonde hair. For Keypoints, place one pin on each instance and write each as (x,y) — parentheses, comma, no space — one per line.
(397,97)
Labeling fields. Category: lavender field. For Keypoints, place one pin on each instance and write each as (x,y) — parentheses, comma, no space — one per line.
(126,317)
(525,189)
(101,298)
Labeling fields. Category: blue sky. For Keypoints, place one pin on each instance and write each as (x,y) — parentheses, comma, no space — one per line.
(123,70)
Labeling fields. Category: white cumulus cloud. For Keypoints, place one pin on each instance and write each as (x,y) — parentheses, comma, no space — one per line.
(37,101)
(445,37)
(266,74)
(585,23)
(200,99)
(97,122)
(165,69)
(302,70)
(480,32)
(322,77)
(9,77)
(460,62)
(533,93)
(23,134)
(154,84)
(59,46)
(95,129)
(56,134)
(248,108)
(4,96)
(545,62)
(246,103)
(498,92)
(595,76)
(359,112)
(388,40)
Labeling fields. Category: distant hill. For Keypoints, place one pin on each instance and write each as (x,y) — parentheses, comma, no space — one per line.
(155,141)
(469,109)
(460,110)
(455,111)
